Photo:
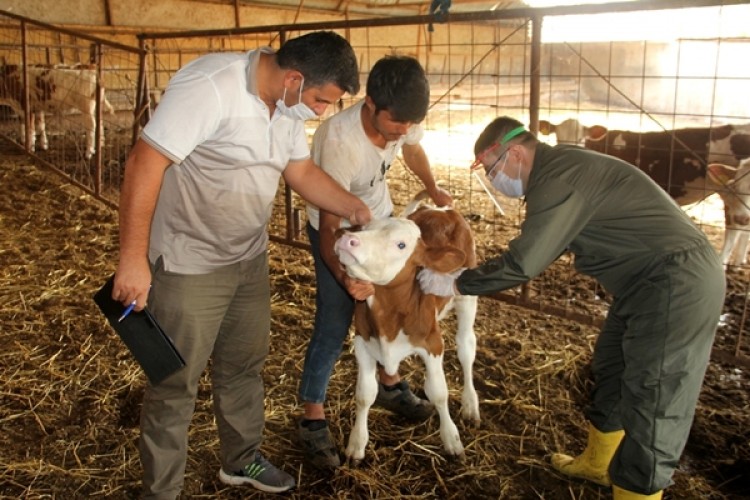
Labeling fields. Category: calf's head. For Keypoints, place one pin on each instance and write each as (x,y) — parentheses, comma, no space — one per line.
(569,131)
(384,248)
(734,190)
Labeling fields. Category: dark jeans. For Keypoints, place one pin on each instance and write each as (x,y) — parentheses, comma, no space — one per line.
(334,309)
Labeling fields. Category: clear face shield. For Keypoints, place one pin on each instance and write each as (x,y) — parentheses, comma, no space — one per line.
(479,164)
(482,180)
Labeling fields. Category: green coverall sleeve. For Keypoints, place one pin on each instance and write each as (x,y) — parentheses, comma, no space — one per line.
(555,214)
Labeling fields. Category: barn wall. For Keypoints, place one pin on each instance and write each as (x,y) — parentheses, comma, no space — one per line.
(679,77)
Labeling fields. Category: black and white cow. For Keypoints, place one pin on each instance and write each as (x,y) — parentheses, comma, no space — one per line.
(677,160)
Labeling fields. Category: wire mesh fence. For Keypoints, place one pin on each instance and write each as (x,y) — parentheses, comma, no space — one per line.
(480,66)
(50,82)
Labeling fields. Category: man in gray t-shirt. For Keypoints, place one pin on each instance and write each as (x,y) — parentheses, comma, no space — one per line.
(198,189)
(356,147)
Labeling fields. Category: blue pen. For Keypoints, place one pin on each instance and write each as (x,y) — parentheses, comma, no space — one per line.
(128,310)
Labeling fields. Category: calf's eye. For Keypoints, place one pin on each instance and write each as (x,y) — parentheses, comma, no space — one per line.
(401,245)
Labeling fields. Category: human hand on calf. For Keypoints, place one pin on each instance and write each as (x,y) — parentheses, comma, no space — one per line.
(360,216)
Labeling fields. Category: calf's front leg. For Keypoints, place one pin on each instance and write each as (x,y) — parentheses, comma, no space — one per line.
(740,253)
(89,124)
(466,348)
(365,394)
(40,129)
(437,391)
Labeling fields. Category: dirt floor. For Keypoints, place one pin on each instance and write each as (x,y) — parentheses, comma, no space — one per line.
(71,394)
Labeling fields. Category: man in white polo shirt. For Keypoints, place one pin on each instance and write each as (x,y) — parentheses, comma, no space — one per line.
(197,194)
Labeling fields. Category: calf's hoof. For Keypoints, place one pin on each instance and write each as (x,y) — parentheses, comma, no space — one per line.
(354,454)
(454,447)
(471,416)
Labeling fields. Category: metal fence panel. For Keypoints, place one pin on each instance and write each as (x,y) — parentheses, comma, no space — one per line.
(480,65)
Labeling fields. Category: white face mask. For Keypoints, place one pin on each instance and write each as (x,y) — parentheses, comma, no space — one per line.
(512,188)
(299,111)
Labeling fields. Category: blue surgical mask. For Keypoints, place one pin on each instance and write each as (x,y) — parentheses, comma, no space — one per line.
(299,111)
(512,188)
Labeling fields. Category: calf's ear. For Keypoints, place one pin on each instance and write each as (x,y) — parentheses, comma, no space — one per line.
(720,174)
(545,127)
(596,132)
(443,260)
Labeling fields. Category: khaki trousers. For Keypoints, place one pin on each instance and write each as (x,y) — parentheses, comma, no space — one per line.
(225,316)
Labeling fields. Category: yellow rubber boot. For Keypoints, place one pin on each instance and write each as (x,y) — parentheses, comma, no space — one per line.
(620,494)
(593,463)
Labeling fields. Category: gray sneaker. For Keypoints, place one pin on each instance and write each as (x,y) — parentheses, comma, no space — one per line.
(261,474)
(401,401)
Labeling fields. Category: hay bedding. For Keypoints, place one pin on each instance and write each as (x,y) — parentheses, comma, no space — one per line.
(71,392)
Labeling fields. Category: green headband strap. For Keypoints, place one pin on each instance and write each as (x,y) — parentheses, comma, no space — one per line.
(513,133)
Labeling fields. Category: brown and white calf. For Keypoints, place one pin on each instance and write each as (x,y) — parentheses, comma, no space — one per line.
(735,193)
(678,161)
(400,320)
(568,131)
(52,90)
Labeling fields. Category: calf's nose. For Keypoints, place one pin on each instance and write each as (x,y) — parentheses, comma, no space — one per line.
(350,240)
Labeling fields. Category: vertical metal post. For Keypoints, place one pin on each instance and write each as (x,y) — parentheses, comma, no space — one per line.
(98,131)
(28,120)
(237,14)
(107,13)
(534,97)
(141,94)
(155,64)
(535,72)
(288,195)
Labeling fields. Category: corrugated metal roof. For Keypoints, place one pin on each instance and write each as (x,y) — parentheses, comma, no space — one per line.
(383,8)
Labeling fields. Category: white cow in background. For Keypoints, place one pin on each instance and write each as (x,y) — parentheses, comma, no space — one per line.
(569,131)
(736,198)
(53,90)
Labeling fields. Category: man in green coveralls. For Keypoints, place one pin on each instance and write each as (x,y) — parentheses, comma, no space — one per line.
(666,280)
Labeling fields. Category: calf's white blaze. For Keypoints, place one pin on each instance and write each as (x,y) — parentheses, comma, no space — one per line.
(378,252)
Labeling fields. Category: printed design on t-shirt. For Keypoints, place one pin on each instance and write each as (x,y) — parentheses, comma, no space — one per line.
(383,169)
(385,165)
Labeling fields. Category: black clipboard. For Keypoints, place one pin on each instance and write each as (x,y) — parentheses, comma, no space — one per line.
(151,347)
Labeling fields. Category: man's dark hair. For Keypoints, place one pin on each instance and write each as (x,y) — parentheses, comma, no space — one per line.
(496,130)
(322,57)
(398,85)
